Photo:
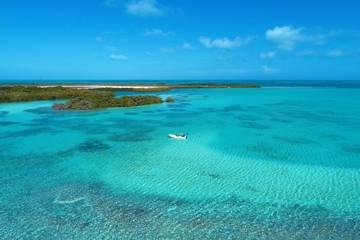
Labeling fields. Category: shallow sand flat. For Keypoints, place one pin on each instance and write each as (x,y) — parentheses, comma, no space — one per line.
(270,163)
(93,86)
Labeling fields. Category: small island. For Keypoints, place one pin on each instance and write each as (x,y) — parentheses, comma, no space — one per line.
(93,96)
(88,103)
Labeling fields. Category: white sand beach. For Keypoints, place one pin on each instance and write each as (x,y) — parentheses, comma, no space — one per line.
(96,86)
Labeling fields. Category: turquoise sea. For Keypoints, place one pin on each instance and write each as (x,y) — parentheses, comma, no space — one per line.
(279,162)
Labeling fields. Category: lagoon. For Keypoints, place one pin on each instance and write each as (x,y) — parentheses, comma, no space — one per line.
(270,163)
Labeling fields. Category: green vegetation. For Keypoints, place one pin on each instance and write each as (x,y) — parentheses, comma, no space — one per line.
(89,97)
(169,99)
(31,93)
(80,99)
(87,103)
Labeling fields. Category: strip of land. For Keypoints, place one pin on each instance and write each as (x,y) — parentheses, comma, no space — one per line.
(95,96)
(96,86)
(160,86)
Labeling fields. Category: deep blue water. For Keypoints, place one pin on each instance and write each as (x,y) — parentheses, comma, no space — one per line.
(268,163)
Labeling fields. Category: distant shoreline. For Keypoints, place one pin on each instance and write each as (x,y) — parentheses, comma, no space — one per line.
(128,83)
(96,86)
(96,96)
(141,86)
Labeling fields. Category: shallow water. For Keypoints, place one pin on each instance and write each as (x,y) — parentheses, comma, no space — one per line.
(270,163)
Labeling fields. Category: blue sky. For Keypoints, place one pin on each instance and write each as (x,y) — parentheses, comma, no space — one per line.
(179,39)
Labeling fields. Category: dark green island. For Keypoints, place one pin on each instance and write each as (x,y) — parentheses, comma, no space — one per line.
(89,97)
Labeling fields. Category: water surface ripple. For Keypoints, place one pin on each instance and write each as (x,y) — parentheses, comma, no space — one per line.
(271,163)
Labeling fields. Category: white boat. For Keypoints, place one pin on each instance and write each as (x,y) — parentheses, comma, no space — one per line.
(178,135)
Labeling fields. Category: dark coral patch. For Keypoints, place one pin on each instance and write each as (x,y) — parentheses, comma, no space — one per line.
(295,140)
(3,113)
(137,135)
(92,146)
(233,108)
(266,151)
(131,113)
(7,123)
(130,138)
(354,148)
(254,125)
(175,124)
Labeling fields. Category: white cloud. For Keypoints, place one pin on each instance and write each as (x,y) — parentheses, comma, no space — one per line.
(267,55)
(287,38)
(186,45)
(224,42)
(284,37)
(139,8)
(157,32)
(117,57)
(270,70)
(146,8)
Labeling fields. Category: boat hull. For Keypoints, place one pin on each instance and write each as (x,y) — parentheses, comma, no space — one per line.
(177,136)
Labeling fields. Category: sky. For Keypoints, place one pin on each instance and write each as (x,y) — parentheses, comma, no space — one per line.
(180,39)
